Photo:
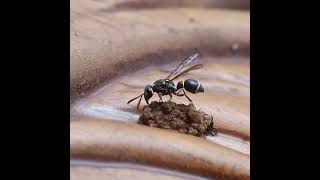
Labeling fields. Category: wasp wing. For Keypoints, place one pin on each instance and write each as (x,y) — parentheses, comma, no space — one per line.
(195,67)
(184,63)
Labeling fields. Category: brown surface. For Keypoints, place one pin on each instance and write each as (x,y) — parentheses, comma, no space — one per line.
(85,173)
(117,47)
(230,109)
(225,79)
(118,141)
(106,45)
(84,170)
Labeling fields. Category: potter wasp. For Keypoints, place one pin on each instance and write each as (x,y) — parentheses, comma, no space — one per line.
(166,86)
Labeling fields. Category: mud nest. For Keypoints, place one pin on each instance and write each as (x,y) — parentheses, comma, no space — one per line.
(183,118)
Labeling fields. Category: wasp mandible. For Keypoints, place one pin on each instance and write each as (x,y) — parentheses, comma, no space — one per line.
(166,86)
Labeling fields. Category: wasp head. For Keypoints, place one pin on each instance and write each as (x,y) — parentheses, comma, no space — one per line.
(148,92)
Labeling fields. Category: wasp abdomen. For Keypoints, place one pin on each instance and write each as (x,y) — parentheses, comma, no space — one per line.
(191,85)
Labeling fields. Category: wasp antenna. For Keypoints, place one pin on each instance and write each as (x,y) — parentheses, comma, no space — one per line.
(134,98)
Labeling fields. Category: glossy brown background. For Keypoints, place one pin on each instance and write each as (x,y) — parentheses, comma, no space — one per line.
(117,47)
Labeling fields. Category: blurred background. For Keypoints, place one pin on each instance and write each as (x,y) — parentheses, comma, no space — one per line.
(119,46)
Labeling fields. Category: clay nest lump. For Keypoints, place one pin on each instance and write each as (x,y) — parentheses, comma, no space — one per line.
(183,118)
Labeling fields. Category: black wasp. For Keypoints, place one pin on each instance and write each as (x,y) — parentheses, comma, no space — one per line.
(167,87)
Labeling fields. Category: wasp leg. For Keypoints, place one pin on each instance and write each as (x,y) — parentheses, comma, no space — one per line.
(177,94)
(170,94)
(160,97)
(184,92)
(147,101)
(178,91)
(139,102)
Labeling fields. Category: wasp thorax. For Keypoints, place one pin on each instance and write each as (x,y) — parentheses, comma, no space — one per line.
(159,83)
